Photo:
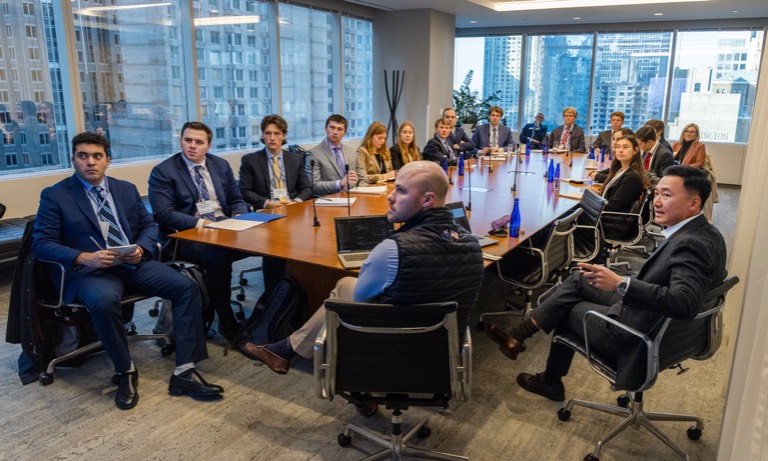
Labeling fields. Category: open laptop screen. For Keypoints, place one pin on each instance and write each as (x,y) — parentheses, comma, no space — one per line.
(361,233)
(459,216)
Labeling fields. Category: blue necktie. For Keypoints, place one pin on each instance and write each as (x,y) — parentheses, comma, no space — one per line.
(203,188)
(114,238)
(339,159)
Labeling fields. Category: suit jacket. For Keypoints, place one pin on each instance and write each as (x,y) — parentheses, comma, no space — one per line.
(66,223)
(661,159)
(482,136)
(460,137)
(530,131)
(673,283)
(576,138)
(173,194)
(604,138)
(696,155)
(435,150)
(254,178)
(397,156)
(326,172)
(624,192)
(372,165)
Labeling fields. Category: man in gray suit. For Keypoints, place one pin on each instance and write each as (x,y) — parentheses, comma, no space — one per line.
(328,163)
(672,283)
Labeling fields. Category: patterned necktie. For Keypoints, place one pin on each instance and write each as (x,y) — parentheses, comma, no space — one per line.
(566,134)
(339,159)
(277,174)
(495,138)
(448,149)
(204,194)
(106,215)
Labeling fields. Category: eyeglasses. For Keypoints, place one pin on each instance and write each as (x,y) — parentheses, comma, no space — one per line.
(690,131)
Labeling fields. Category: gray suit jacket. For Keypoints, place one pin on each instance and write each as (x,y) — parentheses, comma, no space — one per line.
(326,172)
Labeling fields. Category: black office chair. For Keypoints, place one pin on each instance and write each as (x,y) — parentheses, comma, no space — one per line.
(534,264)
(586,237)
(675,341)
(623,230)
(397,356)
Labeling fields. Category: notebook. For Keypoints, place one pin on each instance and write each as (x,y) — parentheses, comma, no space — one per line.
(460,217)
(356,236)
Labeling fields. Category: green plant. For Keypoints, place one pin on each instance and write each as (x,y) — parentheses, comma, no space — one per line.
(470,109)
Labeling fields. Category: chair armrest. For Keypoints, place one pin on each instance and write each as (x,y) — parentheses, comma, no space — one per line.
(320,367)
(465,366)
(62,274)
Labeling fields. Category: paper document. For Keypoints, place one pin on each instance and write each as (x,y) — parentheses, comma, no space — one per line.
(575,195)
(576,180)
(368,190)
(234,224)
(335,201)
(122,251)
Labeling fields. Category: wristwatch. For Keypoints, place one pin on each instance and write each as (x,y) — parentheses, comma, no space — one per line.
(623,286)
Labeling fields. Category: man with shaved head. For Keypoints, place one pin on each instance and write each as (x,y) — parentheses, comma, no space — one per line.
(429,259)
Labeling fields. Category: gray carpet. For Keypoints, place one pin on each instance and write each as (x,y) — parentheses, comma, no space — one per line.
(264,416)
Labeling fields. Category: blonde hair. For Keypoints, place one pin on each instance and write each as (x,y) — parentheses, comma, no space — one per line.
(698,133)
(374,129)
(410,152)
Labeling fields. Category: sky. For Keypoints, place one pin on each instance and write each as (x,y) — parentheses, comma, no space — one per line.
(470,54)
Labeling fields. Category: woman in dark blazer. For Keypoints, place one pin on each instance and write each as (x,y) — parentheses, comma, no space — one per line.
(405,150)
(689,150)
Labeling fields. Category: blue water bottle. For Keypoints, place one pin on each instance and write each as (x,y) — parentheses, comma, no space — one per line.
(528,147)
(461,164)
(445,164)
(514,220)
(556,181)
(602,154)
(551,171)
(546,148)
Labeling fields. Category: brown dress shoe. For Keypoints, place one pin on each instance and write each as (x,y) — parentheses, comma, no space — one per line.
(275,363)
(532,383)
(496,333)
(512,348)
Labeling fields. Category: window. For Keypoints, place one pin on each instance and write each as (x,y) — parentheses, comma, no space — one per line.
(358,76)
(31,31)
(44,139)
(28,8)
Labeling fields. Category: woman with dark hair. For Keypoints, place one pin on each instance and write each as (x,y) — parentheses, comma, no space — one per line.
(373,156)
(689,150)
(406,150)
(626,181)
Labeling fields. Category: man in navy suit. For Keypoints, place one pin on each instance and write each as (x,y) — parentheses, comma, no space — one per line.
(672,283)
(272,175)
(441,145)
(191,189)
(459,138)
(79,220)
(492,135)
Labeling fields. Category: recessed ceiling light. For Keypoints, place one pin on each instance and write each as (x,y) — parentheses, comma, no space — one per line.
(658,14)
(473,22)
(735,11)
(577,17)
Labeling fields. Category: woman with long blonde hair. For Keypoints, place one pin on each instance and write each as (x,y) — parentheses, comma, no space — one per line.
(405,150)
(373,156)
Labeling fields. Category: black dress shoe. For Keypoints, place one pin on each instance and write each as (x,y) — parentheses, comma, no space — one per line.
(191,383)
(127,395)
(532,383)
(367,410)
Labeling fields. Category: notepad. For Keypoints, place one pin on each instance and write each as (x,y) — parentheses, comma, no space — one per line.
(375,190)
(233,224)
(575,195)
(335,201)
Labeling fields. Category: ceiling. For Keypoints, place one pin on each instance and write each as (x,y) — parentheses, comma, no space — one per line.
(472,10)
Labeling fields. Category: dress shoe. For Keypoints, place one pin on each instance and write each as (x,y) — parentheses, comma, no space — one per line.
(367,410)
(127,395)
(275,362)
(191,383)
(507,345)
(532,383)
(496,333)
(512,349)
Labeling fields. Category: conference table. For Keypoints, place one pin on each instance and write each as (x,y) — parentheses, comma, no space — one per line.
(310,251)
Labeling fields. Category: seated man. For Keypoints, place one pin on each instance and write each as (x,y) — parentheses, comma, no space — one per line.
(569,135)
(605,138)
(656,157)
(79,220)
(272,175)
(672,282)
(659,127)
(492,135)
(535,131)
(440,146)
(429,259)
(191,189)
(459,138)
(330,170)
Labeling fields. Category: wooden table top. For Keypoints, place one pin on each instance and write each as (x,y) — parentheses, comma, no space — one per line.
(293,238)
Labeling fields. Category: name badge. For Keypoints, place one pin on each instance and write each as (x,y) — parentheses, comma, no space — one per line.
(205,207)
(280,195)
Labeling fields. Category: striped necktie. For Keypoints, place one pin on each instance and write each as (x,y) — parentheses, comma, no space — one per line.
(114,238)
(277,174)
(204,194)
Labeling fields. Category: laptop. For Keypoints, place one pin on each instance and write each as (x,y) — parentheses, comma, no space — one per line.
(460,218)
(356,236)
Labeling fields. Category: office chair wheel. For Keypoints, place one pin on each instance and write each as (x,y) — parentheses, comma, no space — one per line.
(154,312)
(591,457)
(344,440)
(47,378)
(564,415)
(167,350)
(424,432)
(694,433)
(243,281)
(240,296)
(623,401)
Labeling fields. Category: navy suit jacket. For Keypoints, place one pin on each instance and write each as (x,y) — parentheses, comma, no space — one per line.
(435,150)
(254,178)
(482,136)
(66,222)
(530,131)
(460,138)
(173,194)
(662,158)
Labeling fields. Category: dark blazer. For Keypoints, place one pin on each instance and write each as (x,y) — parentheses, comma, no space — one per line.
(673,283)
(482,136)
(254,178)
(661,159)
(326,172)
(435,150)
(460,137)
(604,138)
(173,193)
(397,156)
(66,223)
(535,134)
(576,138)
(624,192)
